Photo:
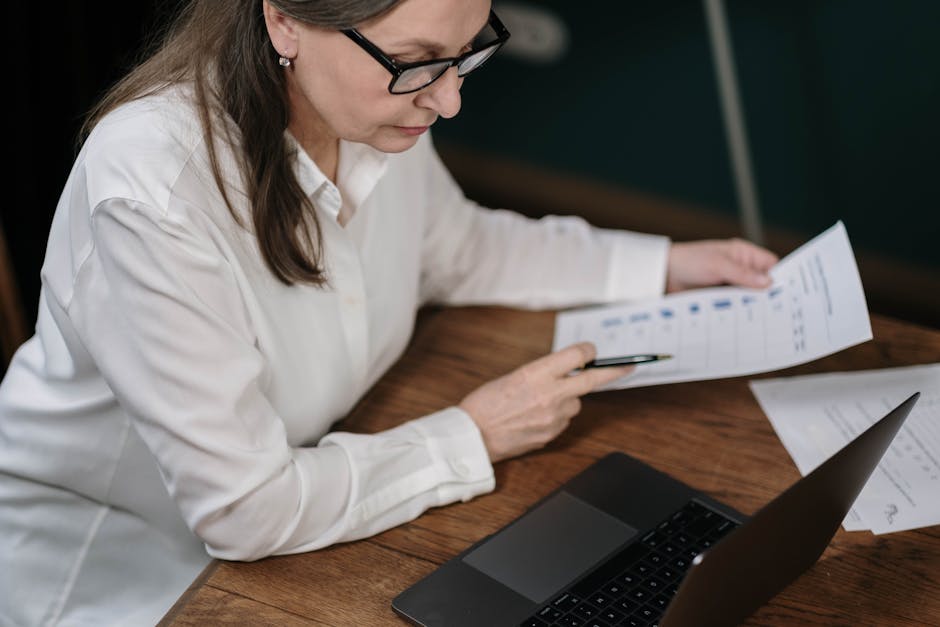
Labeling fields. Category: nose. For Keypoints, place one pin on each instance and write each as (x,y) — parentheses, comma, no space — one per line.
(443,95)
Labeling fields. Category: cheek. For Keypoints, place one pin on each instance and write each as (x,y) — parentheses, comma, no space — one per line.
(360,106)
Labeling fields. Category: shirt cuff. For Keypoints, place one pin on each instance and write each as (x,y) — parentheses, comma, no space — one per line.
(456,446)
(638,266)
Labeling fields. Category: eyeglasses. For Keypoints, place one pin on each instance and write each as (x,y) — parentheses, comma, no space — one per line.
(410,77)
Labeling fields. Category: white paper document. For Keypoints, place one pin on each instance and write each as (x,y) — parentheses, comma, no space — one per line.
(816,415)
(815,307)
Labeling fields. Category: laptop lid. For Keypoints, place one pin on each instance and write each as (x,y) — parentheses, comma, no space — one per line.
(727,583)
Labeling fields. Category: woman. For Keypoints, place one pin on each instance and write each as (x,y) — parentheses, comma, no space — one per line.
(254,218)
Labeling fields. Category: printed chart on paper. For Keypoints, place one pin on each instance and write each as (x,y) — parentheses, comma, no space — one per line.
(816,306)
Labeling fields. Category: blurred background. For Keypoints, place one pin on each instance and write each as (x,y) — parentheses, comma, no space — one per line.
(620,112)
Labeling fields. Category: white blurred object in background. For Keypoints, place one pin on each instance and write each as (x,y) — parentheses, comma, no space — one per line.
(538,34)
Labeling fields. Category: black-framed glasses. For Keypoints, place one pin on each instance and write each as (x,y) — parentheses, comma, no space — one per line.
(410,77)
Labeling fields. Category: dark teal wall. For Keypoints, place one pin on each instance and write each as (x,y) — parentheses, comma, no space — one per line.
(633,102)
(841,99)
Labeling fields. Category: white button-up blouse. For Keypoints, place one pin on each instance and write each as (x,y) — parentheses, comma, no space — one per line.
(176,400)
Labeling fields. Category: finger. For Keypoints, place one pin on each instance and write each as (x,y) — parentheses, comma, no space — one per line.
(754,256)
(589,380)
(563,361)
(569,408)
(764,259)
(735,272)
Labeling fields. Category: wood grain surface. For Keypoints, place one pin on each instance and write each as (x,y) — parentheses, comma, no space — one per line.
(710,434)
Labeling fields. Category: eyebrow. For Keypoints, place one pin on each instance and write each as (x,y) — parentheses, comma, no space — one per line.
(434,47)
(424,44)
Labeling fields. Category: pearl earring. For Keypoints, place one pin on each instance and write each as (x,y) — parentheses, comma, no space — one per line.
(283,61)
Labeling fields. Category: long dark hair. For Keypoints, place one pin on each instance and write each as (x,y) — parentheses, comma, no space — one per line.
(222,48)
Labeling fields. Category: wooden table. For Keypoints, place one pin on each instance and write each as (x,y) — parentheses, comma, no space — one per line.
(710,434)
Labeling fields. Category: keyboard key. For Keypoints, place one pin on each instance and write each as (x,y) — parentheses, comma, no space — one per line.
(611,615)
(642,569)
(681,563)
(640,595)
(694,507)
(679,519)
(654,584)
(570,620)
(646,613)
(653,539)
(703,525)
(566,601)
(599,599)
(724,527)
(533,622)
(585,610)
(549,613)
(660,602)
(613,590)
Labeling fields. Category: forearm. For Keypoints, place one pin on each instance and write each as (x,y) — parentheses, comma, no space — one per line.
(352,486)
(554,262)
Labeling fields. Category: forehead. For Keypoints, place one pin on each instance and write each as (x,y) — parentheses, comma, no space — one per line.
(444,23)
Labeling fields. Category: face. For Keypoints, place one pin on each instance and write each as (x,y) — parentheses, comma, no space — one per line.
(337,90)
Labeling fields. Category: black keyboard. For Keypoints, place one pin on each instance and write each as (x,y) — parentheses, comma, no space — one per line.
(634,586)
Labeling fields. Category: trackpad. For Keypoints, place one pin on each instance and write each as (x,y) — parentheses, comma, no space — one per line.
(547,548)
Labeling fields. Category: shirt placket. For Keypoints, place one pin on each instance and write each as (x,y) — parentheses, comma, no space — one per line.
(345,276)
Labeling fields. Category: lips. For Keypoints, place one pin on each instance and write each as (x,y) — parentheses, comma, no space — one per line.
(412,130)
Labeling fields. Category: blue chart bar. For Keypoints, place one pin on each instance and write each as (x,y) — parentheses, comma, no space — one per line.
(724,303)
(666,313)
(639,317)
(611,322)
(694,308)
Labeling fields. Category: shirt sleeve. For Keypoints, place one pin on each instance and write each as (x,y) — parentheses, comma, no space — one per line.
(476,255)
(160,311)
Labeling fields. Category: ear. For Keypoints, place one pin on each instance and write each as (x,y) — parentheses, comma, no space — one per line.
(282,30)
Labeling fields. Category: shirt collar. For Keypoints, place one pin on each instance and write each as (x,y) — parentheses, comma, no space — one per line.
(359,169)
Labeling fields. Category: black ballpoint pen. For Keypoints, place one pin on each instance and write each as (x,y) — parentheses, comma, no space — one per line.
(623,360)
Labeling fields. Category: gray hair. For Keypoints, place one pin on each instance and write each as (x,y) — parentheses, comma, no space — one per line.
(337,14)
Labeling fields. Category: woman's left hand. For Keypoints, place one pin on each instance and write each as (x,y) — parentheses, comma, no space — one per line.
(718,262)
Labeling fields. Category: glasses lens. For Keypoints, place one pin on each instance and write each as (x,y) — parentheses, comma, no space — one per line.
(476,59)
(415,78)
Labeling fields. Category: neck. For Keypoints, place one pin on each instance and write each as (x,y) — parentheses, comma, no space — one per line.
(313,135)
(323,151)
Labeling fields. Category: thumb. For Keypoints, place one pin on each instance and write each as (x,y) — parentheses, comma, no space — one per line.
(744,276)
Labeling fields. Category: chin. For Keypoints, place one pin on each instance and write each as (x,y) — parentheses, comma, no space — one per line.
(394,144)
(391,140)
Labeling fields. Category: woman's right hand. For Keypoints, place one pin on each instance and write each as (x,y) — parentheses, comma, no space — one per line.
(530,406)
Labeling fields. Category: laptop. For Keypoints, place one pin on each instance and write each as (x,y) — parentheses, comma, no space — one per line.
(624,544)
